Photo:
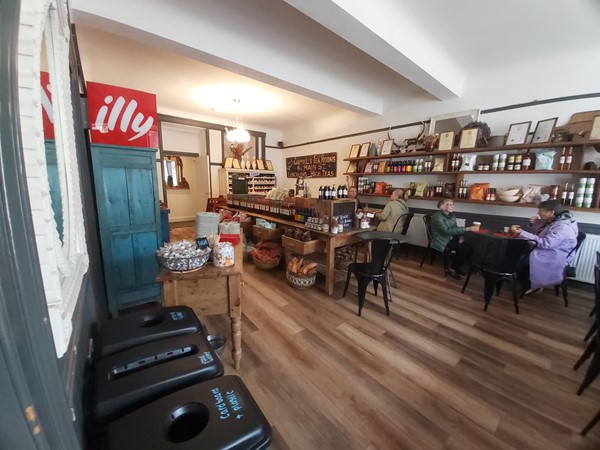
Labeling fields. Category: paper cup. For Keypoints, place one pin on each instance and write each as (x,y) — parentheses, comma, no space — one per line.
(477,225)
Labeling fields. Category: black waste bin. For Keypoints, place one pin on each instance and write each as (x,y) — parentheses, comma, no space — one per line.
(215,414)
(145,326)
(131,378)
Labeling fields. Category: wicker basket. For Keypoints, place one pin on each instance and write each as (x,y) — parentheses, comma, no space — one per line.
(265,265)
(299,280)
(182,265)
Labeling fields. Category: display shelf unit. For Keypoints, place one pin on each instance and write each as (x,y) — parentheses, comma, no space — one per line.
(487,153)
(259,181)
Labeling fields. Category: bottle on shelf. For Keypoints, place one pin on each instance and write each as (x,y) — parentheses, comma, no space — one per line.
(569,159)
(571,194)
(495,162)
(563,194)
(562,159)
(526,164)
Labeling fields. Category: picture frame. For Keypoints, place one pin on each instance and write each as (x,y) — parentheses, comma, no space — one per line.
(517,133)
(268,164)
(260,164)
(468,138)
(228,162)
(236,163)
(364,149)
(354,151)
(543,130)
(386,147)
(595,131)
(446,141)
(352,167)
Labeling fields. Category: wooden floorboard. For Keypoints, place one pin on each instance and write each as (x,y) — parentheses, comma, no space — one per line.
(437,373)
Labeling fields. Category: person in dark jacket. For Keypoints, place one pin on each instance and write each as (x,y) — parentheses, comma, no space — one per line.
(444,237)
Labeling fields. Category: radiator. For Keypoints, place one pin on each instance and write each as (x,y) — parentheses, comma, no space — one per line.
(417,234)
(586,258)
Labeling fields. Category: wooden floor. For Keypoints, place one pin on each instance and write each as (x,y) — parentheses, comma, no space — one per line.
(438,372)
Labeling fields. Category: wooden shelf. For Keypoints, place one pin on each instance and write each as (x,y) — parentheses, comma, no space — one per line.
(489,172)
(507,148)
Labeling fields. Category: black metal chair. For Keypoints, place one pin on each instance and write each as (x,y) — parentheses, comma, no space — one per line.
(500,260)
(374,271)
(593,347)
(569,271)
(430,250)
(409,217)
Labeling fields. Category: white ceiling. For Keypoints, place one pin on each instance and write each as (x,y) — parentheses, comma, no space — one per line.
(296,61)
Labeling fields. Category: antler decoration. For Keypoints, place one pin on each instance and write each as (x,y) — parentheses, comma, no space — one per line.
(238,149)
(409,141)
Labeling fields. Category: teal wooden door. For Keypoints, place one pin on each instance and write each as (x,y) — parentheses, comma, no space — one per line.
(129,220)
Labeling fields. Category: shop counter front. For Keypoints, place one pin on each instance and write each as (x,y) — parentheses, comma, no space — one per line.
(324,241)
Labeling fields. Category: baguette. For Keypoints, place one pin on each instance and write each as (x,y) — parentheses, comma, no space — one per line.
(309,267)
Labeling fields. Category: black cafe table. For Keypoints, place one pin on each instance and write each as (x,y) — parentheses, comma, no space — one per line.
(498,257)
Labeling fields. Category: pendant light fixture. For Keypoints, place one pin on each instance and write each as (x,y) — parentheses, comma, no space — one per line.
(238,135)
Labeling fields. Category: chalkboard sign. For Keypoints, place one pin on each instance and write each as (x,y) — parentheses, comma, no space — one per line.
(312,166)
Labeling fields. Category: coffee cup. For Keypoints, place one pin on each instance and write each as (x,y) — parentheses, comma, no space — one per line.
(477,225)
(506,229)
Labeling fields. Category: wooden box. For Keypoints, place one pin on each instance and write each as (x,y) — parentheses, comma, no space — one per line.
(301,247)
(267,235)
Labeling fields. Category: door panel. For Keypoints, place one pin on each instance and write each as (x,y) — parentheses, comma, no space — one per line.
(129,219)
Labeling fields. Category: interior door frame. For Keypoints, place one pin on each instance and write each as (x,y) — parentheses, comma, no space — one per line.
(43,419)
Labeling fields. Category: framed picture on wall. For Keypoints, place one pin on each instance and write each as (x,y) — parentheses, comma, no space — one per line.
(446,141)
(595,133)
(228,163)
(543,130)
(364,149)
(261,164)
(386,147)
(468,138)
(354,151)
(268,164)
(517,133)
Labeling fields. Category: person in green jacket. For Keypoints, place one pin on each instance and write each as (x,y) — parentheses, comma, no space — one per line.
(394,210)
(444,237)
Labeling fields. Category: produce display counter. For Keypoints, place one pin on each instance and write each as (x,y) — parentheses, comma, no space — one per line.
(324,241)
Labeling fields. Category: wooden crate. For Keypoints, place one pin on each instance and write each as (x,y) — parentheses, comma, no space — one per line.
(301,247)
(267,235)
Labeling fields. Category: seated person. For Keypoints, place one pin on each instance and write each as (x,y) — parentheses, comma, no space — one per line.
(444,237)
(394,210)
(556,236)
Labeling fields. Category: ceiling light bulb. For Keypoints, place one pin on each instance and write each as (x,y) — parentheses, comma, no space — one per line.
(238,135)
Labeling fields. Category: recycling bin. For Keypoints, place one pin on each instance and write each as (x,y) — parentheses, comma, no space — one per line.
(216,414)
(134,377)
(146,326)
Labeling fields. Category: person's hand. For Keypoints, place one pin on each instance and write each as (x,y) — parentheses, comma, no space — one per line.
(471,228)
(517,231)
(533,219)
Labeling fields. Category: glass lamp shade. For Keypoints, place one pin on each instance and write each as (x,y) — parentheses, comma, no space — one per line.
(238,135)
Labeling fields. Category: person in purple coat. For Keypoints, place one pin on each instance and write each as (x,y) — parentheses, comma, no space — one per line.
(555,235)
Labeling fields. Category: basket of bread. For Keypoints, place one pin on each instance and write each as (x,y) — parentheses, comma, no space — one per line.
(301,274)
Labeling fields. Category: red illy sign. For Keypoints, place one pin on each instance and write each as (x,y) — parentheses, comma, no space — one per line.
(120,116)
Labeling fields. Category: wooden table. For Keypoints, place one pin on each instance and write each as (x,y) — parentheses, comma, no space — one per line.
(210,290)
(330,241)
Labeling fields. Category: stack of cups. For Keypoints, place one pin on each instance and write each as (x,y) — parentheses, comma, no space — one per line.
(588,193)
(580,192)
(502,164)
(495,161)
